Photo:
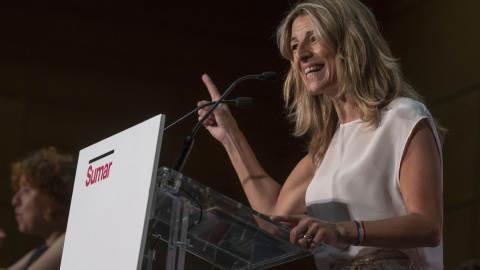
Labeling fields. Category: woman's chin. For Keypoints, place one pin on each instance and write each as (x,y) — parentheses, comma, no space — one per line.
(329,91)
(22,229)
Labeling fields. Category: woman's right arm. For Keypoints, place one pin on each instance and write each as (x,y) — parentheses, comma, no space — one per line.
(264,194)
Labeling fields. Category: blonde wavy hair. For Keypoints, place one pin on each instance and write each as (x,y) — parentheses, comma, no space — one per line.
(365,69)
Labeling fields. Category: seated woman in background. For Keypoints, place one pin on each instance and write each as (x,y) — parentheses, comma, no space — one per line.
(43,185)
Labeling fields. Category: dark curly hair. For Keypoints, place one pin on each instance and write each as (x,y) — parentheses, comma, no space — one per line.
(53,174)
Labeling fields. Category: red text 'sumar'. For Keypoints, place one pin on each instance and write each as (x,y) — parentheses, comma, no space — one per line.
(100,173)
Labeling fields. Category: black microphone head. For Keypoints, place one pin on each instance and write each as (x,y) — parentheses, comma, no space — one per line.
(244,102)
(269,76)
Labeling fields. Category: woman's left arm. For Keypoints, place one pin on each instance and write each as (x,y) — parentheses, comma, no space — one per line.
(421,186)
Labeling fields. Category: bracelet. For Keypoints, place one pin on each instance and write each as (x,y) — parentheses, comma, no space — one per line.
(361,233)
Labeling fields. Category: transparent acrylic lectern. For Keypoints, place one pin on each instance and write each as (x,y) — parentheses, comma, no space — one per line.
(193,218)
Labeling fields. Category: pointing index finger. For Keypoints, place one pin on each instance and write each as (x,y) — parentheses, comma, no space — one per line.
(212,89)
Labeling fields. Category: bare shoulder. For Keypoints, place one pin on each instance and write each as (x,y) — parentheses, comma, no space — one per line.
(421,174)
(422,145)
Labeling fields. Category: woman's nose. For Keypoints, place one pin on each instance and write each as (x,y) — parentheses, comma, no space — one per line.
(303,51)
(16,198)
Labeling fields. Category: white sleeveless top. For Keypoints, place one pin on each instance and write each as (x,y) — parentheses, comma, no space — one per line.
(359,177)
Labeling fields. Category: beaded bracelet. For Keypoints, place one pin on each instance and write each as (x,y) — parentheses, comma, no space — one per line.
(361,233)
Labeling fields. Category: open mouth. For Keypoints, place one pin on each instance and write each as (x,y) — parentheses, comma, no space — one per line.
(313,70)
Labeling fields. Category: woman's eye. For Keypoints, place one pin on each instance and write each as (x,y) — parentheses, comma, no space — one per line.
(24,189)
(313,39)
(294,47)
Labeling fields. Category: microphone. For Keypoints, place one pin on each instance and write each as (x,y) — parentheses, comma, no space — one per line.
(268,76)
(182,156)
(241,102)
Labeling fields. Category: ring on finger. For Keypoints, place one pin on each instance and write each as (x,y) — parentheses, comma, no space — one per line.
(310,240)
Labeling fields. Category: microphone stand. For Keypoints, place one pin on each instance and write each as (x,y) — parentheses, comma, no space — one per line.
(241,102)
(188,143)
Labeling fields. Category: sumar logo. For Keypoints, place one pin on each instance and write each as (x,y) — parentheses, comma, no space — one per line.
(100,173)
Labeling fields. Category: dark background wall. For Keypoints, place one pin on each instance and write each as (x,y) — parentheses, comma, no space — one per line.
(75,72)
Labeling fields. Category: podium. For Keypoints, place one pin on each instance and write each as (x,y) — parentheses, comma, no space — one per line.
(125,210)
(191,217)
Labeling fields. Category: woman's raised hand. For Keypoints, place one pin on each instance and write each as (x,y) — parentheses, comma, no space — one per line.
(221,120)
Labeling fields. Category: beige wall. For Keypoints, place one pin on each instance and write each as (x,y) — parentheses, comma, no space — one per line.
(73,74)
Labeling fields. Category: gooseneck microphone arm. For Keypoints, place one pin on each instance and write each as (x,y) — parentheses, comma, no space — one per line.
(188,143)
(241,102)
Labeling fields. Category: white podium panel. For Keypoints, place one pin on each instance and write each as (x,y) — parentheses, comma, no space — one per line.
(112,198)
